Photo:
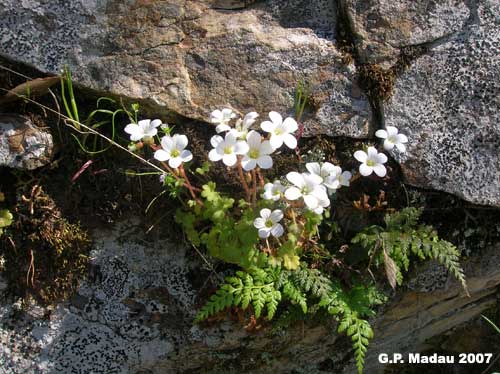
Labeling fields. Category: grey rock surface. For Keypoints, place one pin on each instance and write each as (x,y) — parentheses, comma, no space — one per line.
(188,58)
(22,144)
(380,28)
(134,315)
(448,104)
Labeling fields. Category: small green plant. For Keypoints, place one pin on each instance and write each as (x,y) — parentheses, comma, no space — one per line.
(269,229)
(402,236)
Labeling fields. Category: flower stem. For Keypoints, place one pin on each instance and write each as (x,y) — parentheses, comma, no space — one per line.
(188,185)
(254,189)
(243,180)
(261,178)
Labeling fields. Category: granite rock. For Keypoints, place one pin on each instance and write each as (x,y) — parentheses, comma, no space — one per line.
(381,28)
(22,144)
(134,313)
(447,103)
(187,58)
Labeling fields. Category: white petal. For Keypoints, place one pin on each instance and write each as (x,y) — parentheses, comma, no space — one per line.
(249,119)
(372,152)
(332,183)
(391,130)
(277,230)
(186,156)
(401,147)
(388,145)
(265,162)
(151,132)
(361,156)
(311,201)
(328,169)
(167,143)
(265,213)
(216,116)
(259,223)
(313,168)
(213,155)
(290,125)
(290,141)
(318,210)
(276,215)
(132,128)
(380,170)
(248,163)
(253,139)
(181,141)
(296,179)
(241,147)
(276,141)
(216,140)
(365,170)
(292,193)
(221,128)
(264,233)
(228,113)
(144,123)
(266,148)
(276,118)
(267,126)
(155,123)
(175,162)
(229,159)
(344,179)
(382,134)
(161,155)
(312,179)
(402,138)
(381,158)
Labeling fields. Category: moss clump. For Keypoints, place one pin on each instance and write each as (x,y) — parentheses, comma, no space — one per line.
(377,82)
(45,255)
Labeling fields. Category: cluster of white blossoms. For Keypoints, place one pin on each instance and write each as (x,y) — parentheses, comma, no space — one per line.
(255,150)
(237,144)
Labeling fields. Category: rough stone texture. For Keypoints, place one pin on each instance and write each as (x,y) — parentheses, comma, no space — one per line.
(189,58)
(22,144)
(380,28)
(447,103)
(134,315)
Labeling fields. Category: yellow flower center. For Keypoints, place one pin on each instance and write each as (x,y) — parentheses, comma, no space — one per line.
(370,163)
(175,153)
(278,131)
(269,223)
(228,150)
(254,153)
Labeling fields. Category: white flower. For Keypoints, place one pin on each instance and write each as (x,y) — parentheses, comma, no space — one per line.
(392,138)
(281,131)
(242,127)
(145,128)
(323,170)
(173,150)
(222,118)
(273,191)
(371,162)
(309,187)
(227,149)
(321,205)
(258,152)
(267,223)
(337,179)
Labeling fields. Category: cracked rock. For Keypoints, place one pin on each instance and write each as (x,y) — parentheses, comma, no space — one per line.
(187,58)
(447,103)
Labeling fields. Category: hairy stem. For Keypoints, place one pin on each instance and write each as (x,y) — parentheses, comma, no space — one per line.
(243,180)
